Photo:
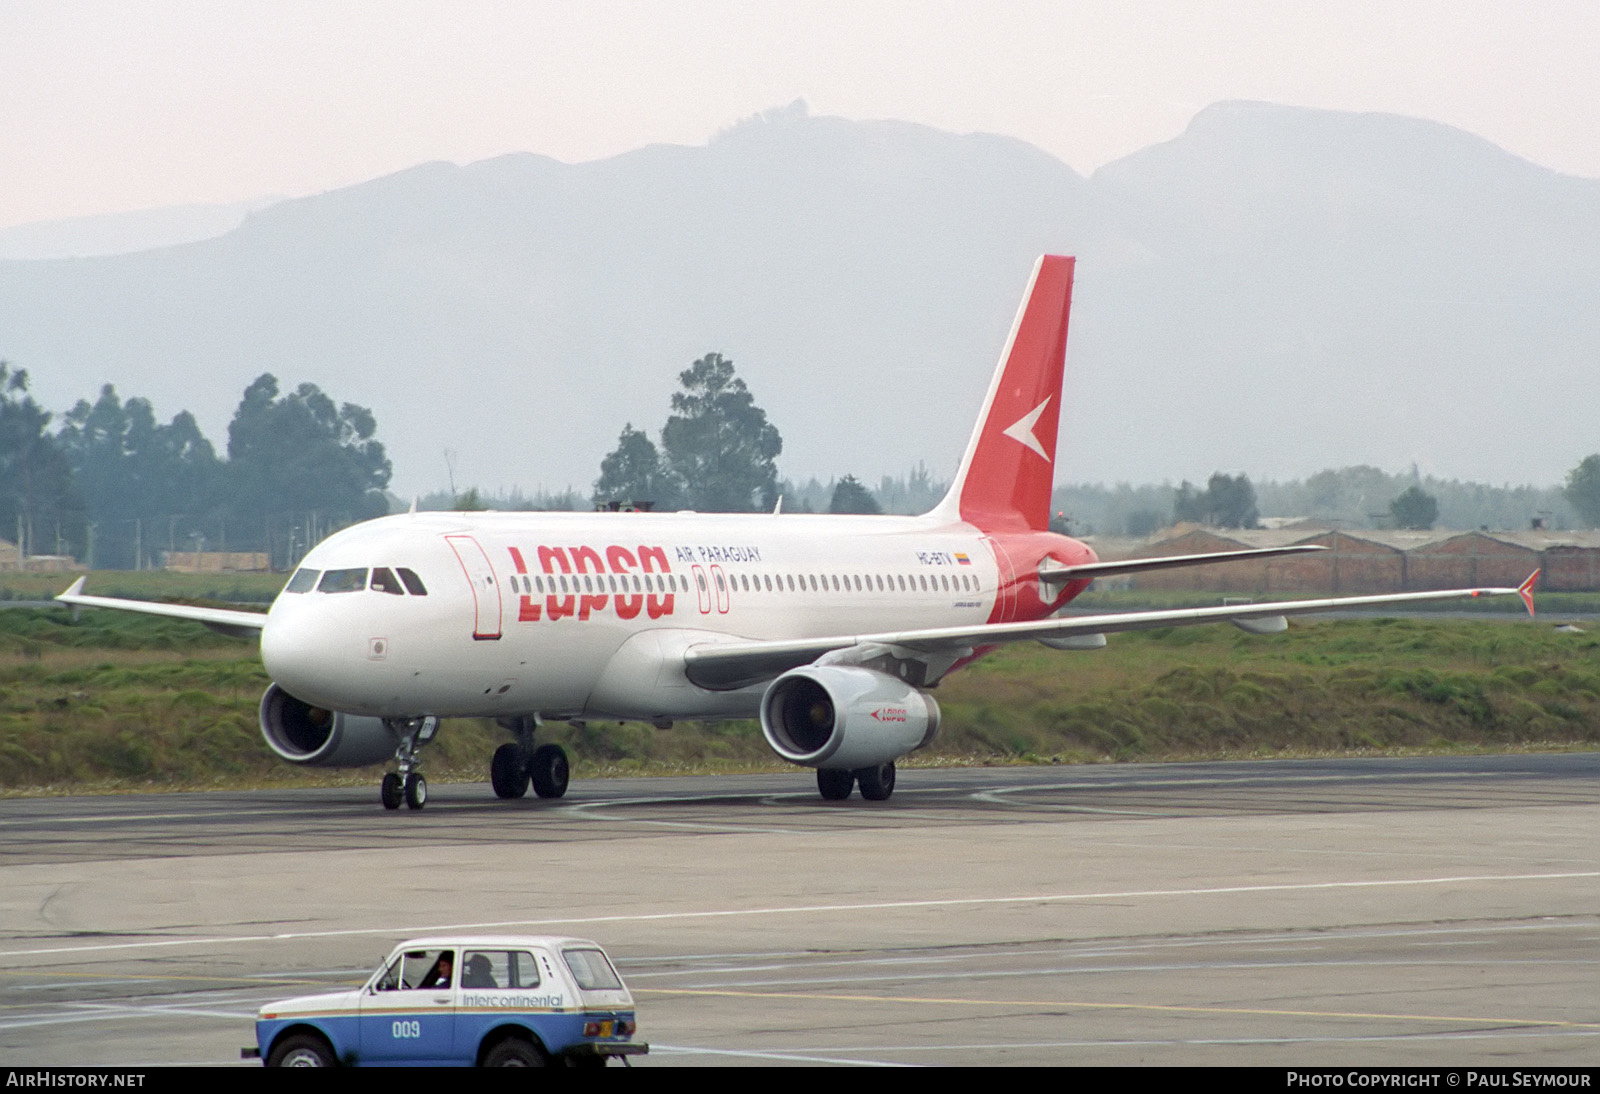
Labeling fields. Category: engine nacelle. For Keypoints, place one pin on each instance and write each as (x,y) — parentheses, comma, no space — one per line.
(304,734)
(839,716)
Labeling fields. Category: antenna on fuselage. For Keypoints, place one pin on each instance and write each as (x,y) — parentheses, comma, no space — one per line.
(777,510)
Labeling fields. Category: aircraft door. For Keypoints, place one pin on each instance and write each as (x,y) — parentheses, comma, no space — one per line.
(703,587)
(485,588)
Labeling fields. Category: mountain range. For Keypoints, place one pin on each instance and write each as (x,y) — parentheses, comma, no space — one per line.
(1275,291)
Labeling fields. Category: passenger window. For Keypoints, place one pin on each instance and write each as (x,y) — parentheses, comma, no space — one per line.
(343,581)
(499,969)
(303,581)
(384,581)
(414,584)
(524,970)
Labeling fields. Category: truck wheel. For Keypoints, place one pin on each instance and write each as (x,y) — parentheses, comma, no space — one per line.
(514,1052)
(877,783)
(550,771)
(301,1050)
(508,771)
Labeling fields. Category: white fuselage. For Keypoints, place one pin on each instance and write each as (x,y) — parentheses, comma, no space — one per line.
(588,614)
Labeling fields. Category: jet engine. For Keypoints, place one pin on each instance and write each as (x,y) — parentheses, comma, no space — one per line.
(840,716)
(304,734)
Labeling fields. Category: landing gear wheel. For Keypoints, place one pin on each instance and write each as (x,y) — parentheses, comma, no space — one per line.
(877,783)
(508,771)
(549,770)
(835,785)
(301,1050)
(417,791)
(391,791)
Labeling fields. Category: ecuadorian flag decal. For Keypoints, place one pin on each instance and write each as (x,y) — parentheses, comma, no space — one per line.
(963,559)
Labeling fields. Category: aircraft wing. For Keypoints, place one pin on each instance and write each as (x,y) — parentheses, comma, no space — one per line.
(725,666)
(227,620)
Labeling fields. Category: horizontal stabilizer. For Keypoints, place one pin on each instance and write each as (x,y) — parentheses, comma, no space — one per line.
(1055,573)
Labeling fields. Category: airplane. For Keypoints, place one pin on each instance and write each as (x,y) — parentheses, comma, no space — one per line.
(832,630)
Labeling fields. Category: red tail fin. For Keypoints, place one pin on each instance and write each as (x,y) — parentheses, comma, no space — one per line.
(1009,467)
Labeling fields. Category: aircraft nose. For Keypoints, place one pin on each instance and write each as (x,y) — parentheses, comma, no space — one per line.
(302,654)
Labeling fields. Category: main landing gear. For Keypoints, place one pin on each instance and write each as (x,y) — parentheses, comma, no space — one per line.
(876,783)
(407,784)
(517,764)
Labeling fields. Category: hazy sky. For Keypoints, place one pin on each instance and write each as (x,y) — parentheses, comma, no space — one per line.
(108,106)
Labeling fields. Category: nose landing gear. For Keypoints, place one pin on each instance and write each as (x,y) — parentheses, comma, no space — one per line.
(407,784)
(517,764)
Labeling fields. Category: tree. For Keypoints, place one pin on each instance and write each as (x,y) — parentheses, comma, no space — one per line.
(143,483)
(1228,501)
(849,496)
(1583,490)
(1414,509)
(39,500)
(634,472)
(718,444)
(299,462)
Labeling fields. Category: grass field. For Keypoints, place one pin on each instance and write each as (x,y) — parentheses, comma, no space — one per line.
(113,701)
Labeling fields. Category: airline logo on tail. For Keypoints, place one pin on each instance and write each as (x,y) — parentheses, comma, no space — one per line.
(1006,476)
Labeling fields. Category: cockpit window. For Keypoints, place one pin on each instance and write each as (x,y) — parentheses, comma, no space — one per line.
(343,581)
(414,584)
(384,581)
(303,581)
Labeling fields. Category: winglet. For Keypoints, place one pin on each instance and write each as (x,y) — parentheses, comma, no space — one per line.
(1525,590)
(75,589)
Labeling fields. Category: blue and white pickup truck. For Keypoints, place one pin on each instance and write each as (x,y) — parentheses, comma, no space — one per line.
(469,1000)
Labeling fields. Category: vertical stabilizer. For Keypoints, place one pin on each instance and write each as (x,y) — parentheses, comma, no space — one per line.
(1006,475)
